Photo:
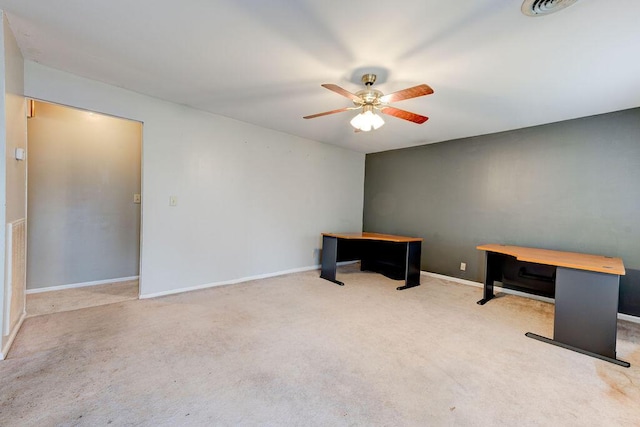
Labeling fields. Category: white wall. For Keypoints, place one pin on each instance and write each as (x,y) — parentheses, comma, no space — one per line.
(251,201)
(13,128)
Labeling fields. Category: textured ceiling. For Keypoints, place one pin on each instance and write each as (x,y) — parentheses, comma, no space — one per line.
(262,62)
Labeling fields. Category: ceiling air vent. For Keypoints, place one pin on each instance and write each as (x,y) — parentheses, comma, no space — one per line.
(544,7)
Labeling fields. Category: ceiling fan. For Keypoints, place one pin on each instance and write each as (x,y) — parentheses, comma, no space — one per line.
(369,100)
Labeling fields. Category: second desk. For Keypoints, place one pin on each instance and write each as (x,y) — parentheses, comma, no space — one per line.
(397,257)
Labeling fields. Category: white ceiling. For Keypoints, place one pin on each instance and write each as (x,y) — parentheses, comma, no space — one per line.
(262,62)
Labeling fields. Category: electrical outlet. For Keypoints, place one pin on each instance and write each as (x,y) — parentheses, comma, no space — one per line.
(463,266)
(173,201)
(136,198)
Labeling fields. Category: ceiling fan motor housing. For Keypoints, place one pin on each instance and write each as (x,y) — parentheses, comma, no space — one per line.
(369,96)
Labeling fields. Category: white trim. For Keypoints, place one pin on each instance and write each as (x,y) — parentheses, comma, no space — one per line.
(81,285)
(481,285)
(452,279)
(226,282)
(234,281)
(12,336)
(629,318)
(621,316)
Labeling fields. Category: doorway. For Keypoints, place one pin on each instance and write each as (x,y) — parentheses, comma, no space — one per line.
(83,208)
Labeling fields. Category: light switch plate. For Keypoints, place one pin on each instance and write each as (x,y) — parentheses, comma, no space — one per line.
(173,201)
(20,154)
(136,198)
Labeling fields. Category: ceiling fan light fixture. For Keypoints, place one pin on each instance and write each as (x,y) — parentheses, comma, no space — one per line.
(367,120)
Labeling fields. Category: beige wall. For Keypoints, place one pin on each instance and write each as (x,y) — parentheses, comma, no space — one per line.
(16,128)
(12,181)
(84,169)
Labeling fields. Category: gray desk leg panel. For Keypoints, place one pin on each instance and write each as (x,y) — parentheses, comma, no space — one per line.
(412,265)
(493,266)
(329,259)
(586,311)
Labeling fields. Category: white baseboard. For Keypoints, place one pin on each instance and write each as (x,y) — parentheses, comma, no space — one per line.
(452,279)
(481,285)
(628,318)
(81,285)
(234,281)
(621,316)
(12,336)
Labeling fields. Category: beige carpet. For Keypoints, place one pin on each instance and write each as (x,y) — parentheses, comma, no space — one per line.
(84,297)
(298,350)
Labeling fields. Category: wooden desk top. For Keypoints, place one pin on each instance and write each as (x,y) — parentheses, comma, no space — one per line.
(598,263)
(374,236)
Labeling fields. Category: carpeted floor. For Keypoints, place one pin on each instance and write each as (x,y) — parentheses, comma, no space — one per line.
(298,350)
(84,297)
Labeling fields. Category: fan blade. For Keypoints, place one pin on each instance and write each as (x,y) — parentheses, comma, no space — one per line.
(405,115)
(337,89)
(326,113)
(412,92)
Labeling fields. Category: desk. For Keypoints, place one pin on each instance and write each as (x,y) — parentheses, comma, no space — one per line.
(586,296)
(397,257)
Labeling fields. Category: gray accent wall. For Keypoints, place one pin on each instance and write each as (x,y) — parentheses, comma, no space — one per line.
(572,186)
(83,172)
